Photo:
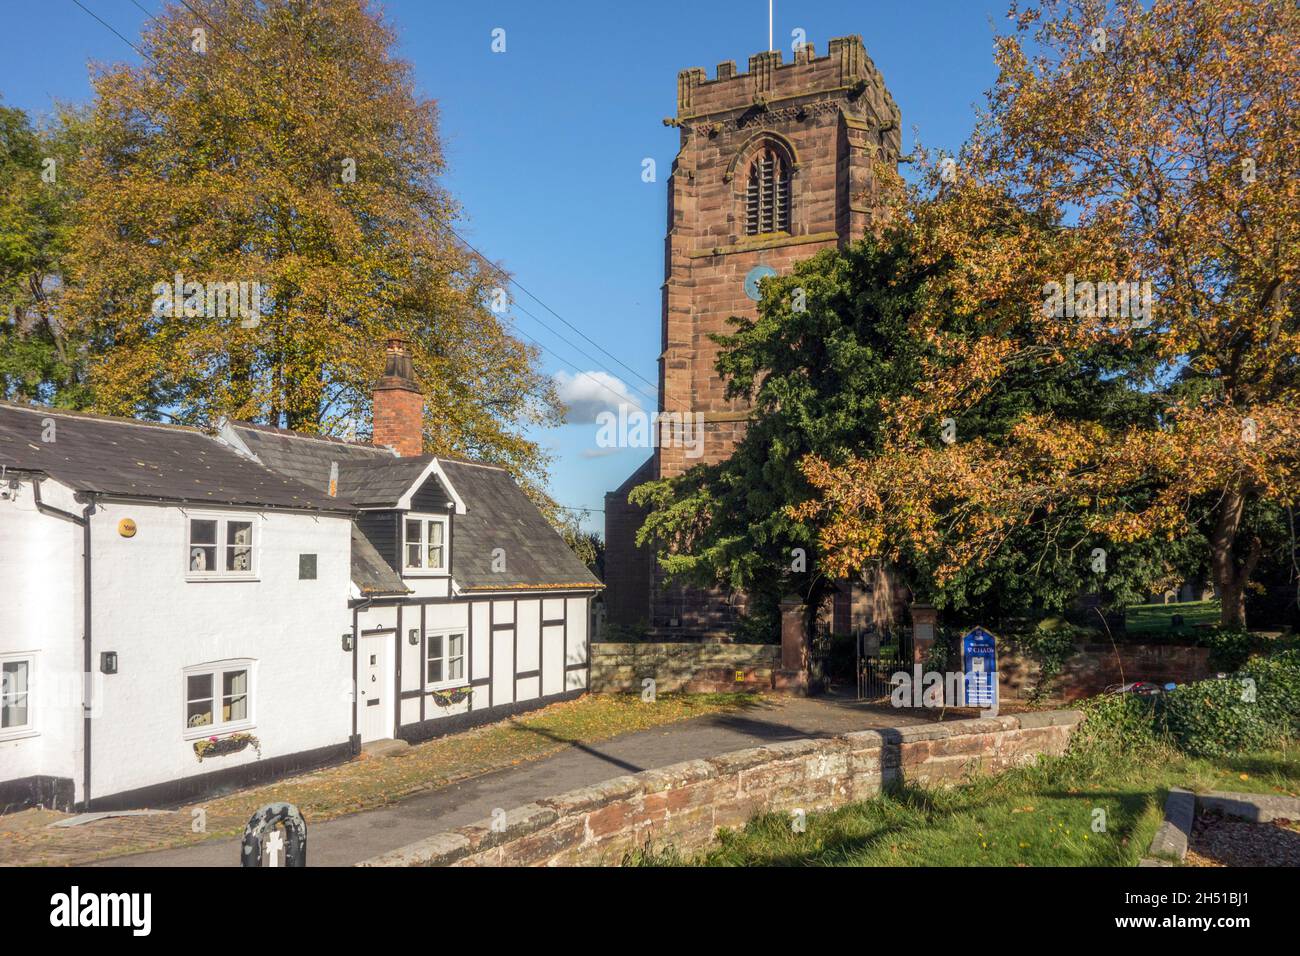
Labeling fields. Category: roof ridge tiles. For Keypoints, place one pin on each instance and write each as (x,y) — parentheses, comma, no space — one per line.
(366,446)
(100,417)
(309,436)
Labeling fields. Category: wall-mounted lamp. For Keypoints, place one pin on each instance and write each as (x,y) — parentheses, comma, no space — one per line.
(347,642)
(108,662)
(414,636)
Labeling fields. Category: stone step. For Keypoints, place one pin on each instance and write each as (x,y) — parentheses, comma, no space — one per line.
(384,748)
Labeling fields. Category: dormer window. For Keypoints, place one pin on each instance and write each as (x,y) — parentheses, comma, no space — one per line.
(767,201)
(424,544)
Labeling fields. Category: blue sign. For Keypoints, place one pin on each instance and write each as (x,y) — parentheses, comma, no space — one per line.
(979,661)
(757,275)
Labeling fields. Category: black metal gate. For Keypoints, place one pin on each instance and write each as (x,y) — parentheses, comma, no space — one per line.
(881,655)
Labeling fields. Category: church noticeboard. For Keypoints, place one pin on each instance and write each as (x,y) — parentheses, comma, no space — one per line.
(979,661)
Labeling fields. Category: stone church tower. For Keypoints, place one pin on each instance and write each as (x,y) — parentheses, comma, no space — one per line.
(774,165)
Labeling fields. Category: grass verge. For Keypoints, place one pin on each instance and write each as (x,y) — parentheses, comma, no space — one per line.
(1083,809)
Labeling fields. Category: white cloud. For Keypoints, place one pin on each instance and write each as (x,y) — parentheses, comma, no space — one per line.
(587,394)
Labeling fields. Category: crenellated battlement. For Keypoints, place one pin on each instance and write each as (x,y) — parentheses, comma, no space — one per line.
(846,69)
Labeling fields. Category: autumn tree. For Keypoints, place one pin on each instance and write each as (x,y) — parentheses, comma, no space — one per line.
(1157,142)
(281,142)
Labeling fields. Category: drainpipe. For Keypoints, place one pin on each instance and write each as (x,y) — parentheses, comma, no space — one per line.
(87,654)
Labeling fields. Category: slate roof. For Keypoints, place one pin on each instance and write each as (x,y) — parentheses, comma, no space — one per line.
(370,572)
(133,459)
(127,458)
(499,515)
(304,457)
(380,484)
(369,477)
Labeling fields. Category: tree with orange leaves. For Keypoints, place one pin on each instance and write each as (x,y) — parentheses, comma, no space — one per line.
(1158,145)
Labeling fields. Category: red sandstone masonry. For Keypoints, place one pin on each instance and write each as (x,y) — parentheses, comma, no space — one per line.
(1092,668)
(675,666)
(834,118)
(685,804)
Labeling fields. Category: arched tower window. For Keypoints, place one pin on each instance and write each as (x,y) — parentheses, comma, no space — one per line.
(767,200)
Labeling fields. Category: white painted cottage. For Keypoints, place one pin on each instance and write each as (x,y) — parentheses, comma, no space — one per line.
(182,613)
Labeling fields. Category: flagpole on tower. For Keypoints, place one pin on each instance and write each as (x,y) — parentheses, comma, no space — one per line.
(769,26)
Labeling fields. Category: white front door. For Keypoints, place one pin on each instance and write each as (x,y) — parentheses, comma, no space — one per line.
(374,704)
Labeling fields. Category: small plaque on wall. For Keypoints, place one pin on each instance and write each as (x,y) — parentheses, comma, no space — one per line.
(126,528)
(306,567)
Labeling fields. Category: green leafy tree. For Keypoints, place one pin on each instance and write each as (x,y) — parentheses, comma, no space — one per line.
(589,546)
(41,358)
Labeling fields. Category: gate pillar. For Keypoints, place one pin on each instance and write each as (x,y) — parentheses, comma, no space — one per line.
(925,620)
(792,677)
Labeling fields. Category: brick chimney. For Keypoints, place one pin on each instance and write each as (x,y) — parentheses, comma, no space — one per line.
(398,404)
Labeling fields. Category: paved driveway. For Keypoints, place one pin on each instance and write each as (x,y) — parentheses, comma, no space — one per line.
(348,840)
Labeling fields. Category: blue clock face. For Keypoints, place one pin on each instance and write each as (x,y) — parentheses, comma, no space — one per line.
(757,275)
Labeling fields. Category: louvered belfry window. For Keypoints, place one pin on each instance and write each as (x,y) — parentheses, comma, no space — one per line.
(767,206)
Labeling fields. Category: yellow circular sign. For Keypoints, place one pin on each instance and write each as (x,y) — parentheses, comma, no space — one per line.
(126,528)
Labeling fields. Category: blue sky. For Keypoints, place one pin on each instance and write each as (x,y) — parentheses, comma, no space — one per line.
(545,142)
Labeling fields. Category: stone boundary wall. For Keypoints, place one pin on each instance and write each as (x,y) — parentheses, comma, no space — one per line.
(1094,667)
(684,805)
(682,666)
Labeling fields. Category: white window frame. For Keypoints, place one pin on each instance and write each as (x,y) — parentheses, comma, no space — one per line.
(223,519)
(28,729)
(425,518)
(446,633)
(217,670)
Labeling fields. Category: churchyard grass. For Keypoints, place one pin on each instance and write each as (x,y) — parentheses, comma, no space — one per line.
(1063,811)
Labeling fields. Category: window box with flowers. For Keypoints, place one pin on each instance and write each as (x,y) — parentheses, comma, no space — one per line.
(450,695)
(219,707)
(223,746)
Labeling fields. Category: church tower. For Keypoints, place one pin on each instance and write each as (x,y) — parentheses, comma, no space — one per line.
(774,165)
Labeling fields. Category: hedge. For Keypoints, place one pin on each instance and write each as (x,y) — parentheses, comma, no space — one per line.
(1256,708)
